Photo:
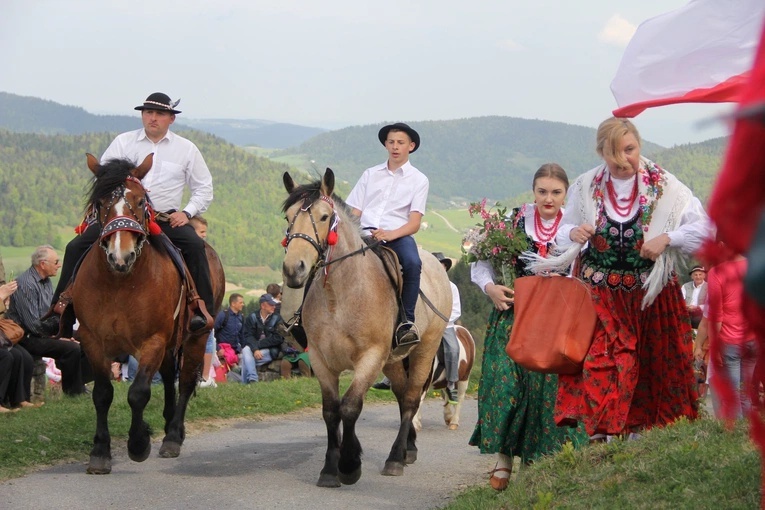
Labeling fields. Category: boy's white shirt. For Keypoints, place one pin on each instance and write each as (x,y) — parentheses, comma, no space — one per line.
(386,199)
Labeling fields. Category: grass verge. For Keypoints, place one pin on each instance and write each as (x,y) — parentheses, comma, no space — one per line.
(694,465)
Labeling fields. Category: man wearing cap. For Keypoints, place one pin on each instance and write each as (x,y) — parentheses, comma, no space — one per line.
(390,199)
(177,163)
(262,343)
(695,294)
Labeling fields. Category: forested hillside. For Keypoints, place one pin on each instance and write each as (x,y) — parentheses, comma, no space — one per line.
(696,165)
(466,159)
(43,181)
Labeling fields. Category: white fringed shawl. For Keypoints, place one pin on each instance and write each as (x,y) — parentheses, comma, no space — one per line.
(662,201)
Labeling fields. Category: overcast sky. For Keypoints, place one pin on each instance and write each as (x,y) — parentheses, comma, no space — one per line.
(336,63)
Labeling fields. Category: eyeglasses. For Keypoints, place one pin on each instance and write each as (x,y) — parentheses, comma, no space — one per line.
(55,262)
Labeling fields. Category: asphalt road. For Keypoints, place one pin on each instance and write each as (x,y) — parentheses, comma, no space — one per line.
(273,463)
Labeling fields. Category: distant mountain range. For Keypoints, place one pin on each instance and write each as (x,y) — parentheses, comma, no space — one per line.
(22,114)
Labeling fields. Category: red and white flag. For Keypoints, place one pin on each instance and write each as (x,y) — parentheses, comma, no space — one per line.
(699,53)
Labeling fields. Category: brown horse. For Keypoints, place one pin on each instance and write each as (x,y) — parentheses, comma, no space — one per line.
(130,299)
(438,379)
(349,314)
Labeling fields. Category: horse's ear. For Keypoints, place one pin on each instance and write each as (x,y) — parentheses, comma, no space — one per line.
(92,163)
(289,184)
(328,182)
(143,169)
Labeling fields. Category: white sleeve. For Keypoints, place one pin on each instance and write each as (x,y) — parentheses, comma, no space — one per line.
(571,217)
(482,274)
(456,305)
(694,228)
(355,198)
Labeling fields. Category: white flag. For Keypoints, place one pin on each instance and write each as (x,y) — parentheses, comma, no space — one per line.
(699,53)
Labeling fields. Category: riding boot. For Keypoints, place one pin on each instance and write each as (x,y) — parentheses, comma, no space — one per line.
(406,337)
(200,319)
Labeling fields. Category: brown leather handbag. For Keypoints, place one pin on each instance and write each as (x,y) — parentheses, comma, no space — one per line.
(10,331)
(554,323)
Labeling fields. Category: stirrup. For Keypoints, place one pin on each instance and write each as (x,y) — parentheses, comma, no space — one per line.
(405,339)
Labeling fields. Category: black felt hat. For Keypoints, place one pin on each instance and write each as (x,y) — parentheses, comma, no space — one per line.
(400,126)
(160,102)
(446,261)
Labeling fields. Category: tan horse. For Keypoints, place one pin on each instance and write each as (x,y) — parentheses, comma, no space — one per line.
(130,299)
(349,315)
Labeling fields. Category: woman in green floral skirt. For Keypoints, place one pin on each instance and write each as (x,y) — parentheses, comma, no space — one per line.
(515,405)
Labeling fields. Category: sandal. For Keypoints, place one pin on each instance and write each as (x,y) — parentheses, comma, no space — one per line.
(500,483)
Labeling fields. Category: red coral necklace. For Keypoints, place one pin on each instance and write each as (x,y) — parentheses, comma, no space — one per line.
(545,234)
(621,210)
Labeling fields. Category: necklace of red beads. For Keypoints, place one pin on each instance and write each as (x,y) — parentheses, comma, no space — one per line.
(621,210)
(545,234)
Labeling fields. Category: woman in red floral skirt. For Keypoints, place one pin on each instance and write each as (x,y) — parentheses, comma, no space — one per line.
(630,221)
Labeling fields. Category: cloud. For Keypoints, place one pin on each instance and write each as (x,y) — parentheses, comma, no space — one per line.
(509,45)
(617,31)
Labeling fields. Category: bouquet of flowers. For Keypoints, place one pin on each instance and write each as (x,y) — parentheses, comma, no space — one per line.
(496,239)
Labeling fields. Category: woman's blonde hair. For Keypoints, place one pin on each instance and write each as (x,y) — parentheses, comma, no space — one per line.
(553,170)
(609,137)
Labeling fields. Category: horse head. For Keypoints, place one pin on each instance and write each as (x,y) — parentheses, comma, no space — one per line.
(313,222)
(119,203)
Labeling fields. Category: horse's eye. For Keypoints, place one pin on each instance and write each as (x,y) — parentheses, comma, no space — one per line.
(324,217)
(142,202)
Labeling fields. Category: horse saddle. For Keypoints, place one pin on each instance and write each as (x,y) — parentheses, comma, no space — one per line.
(390,262)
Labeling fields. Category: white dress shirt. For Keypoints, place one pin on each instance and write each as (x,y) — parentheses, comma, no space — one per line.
(456,306)
(386,198)
(177,163)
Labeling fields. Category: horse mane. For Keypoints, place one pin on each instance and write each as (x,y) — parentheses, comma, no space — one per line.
(312,191)
(110,176)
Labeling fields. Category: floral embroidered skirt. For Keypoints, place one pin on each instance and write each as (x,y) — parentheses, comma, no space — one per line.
(515,405)
(639,371)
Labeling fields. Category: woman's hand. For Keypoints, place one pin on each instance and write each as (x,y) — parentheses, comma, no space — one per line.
(499,295)
(655,247)
(582,233)
(8,289)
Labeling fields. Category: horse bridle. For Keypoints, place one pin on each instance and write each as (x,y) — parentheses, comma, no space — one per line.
(124,223)
(321,249)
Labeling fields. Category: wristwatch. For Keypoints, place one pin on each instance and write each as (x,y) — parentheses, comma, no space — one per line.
(187,214)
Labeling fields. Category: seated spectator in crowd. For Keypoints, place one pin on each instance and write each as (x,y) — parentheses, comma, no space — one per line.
(228,329)
(276,292)
(15,362)
(695,294)
(262,342)
(30,302)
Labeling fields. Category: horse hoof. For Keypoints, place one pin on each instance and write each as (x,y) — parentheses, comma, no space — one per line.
(326,480)
(169,450)
(350,478)
(393,469)
(140,456)
(411,457)
(99,466)
(453,426)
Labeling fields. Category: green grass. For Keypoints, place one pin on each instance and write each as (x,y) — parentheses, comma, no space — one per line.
(62,430)
(693,465)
